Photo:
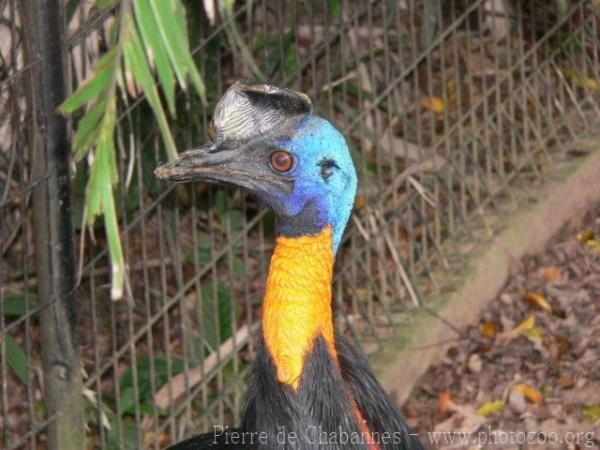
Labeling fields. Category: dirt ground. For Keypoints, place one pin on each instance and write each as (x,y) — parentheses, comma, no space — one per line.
(528,375)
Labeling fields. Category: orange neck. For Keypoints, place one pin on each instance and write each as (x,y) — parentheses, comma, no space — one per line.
(297,304)
(297,307)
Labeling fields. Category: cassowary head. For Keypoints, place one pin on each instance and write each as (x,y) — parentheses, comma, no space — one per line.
(268,141)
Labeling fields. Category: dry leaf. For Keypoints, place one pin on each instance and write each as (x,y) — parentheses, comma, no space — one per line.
(530,393)
(526,325)
(474,363)
(553,274)
(594,244)
(590,84)
(558,346)
(210,10)
(535,298)
(444,398)
(591,413)
(580,79)
(520,329)
(91,397)
(491,408)
(436,104)
(585,235)
(534,333)
(587,395)
(471,420)
(359,203)
(517,402)
(451,89)
(588,238)
(150,437)
(565,381)
(488,330)
(535,336)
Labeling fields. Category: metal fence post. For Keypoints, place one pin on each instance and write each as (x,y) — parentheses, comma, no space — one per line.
(53,229)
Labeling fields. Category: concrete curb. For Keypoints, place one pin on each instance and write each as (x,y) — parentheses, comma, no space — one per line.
(572,191)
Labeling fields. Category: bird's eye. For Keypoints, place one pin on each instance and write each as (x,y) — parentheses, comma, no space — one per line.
(281,161)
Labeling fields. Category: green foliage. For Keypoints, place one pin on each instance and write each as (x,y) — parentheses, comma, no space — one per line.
(217,311)
(15,358)
(105,417)
(148,37)
(121,432)
(159,365)
(225,213)
(14,303)
(334,9)
(131,436)
(236,40)
(234,218)
(562,6)
(278,60)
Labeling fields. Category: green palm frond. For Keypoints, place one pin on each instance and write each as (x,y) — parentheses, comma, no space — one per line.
(149,38)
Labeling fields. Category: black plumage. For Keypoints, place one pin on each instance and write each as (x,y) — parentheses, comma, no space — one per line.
(321,413)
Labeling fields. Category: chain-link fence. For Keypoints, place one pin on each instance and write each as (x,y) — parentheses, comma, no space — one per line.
(451,108)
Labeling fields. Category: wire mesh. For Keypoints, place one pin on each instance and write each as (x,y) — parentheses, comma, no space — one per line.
(452,109)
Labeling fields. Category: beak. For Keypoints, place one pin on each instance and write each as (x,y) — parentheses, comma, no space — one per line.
(202,164)
(235,167)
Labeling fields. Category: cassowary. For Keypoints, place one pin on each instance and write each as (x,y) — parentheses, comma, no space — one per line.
(309,388)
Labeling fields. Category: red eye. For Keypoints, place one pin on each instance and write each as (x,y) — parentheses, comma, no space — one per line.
(281,161)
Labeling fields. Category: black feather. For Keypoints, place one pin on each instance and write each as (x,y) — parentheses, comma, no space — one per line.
(297,420)
(380,413)
(320,413)
(208,441)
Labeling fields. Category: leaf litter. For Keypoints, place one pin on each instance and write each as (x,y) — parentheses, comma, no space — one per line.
(531,364)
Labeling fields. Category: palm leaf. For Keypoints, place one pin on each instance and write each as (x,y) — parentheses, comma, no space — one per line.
(146,54)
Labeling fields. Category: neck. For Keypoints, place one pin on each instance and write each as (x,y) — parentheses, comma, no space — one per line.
(297,304)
